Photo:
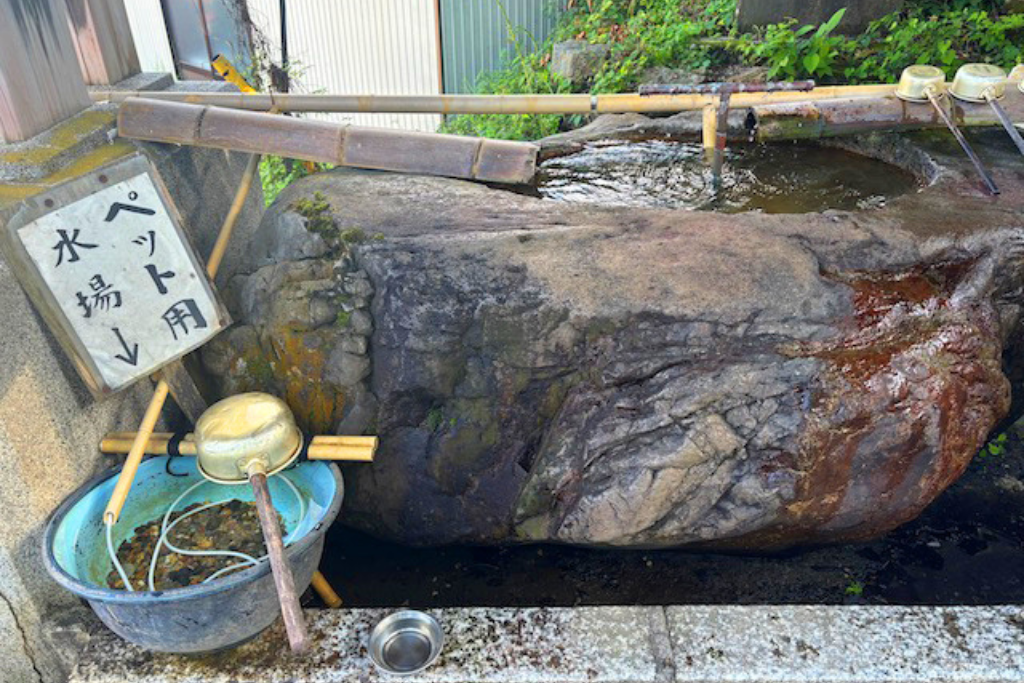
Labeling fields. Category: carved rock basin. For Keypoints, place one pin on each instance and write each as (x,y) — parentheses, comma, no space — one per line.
(544,371)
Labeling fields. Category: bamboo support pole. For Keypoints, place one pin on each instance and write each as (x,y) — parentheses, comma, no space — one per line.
(848,116)
(339,448)
(135,453)
(156,404)
(325,591)
(709,128)
(455,156)
(489,104)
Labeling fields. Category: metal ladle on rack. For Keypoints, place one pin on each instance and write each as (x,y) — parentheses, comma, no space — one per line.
(980,83)
(247,438)
(924,83)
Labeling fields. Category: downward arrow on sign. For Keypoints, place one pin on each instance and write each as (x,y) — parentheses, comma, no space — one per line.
(131,356)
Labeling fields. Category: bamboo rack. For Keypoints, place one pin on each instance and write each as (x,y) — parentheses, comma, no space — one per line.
(850,116)
(344,448)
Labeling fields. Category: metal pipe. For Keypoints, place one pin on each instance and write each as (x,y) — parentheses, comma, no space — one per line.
(963,142)
(488,104)
(721,136)
(1007,123)
(716,88)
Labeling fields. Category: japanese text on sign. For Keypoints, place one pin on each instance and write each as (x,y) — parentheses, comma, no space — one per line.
(124,279)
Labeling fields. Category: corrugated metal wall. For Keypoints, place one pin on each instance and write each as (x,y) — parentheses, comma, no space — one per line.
(380,47)
(150,33)
(474,35)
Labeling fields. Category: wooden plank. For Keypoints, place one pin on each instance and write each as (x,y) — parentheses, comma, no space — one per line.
(103,40)
(184,390)
(40,80)
(24,233)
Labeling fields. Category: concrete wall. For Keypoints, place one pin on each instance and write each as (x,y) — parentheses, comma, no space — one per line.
(50,426)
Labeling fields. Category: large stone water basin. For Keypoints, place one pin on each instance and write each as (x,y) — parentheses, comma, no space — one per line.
(631,376)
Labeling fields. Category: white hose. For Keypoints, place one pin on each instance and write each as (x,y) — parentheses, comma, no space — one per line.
(165,529)
(287,541)
(113,558)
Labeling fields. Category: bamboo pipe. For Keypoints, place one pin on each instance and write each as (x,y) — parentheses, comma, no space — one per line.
(339,448)
(299,138)
(619,103)
(156,403)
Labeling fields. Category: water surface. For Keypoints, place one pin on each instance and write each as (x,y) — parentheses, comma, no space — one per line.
(775,178)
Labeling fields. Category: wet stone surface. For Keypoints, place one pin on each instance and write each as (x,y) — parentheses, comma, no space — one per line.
(619,645)
(599,645)
(636,377)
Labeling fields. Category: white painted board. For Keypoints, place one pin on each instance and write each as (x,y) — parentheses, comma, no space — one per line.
(130,292)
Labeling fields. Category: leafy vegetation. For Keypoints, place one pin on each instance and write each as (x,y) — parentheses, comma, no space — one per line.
(700,36)
(994,448)
(277,173)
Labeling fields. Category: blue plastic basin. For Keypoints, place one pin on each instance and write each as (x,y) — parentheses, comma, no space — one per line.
(203,618)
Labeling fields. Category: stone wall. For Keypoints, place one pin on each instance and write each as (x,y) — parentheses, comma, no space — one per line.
(50,425)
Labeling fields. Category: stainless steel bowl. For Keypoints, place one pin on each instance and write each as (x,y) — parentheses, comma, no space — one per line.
(406,642)
(917,80)
(978,82)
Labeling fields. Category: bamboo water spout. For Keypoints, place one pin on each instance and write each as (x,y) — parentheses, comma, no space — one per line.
(455,156)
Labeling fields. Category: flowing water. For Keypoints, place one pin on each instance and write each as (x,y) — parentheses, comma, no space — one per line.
(776,178)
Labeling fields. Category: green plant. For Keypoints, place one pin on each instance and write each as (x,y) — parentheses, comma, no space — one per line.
(805,52)
(924,34)
(854,588)
(277,173)
(526,72)
(995,447)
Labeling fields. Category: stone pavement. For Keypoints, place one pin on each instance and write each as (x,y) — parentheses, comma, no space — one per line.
(620,645)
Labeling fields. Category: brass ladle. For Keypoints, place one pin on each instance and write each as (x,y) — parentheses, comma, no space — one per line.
(246,438)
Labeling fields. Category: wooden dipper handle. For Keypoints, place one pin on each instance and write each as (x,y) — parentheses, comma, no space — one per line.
(291,611)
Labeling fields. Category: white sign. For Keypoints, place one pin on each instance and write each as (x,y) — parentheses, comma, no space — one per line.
(127,283)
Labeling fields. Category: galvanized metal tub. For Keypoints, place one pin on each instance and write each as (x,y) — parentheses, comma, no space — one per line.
(203,618)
